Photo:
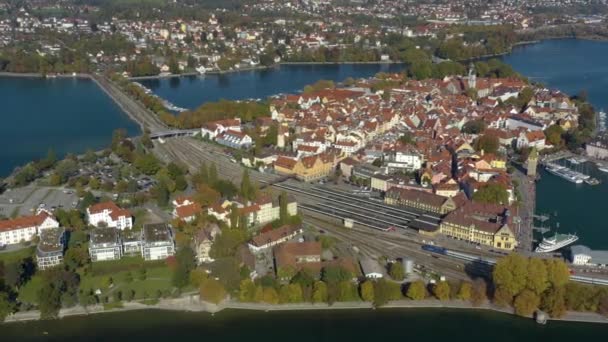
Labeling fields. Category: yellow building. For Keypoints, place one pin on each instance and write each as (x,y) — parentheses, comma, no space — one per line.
(307,169)
(485,224)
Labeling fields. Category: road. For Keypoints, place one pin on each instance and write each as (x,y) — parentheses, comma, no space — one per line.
(527,190)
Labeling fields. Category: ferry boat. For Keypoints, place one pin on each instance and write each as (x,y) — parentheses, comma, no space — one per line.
(555,242)
(564,173)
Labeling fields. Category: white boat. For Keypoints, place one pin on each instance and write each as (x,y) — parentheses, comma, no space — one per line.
(603,168)
(574,161)
(555,242)
(201,70)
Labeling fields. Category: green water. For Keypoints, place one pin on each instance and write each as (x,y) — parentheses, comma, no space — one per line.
(360,325)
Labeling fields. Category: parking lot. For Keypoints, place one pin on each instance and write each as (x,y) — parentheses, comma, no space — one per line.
(25,201)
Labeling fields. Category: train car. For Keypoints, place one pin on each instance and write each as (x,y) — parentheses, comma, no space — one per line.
(434,249)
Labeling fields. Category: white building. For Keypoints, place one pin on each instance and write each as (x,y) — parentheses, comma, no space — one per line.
(157,242)
(583,255)
(265,210)
(105,244)
(404,160)
(25,228)
(49,252)
(108,214)
(371,269)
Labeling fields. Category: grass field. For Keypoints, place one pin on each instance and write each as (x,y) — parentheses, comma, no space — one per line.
(17,255)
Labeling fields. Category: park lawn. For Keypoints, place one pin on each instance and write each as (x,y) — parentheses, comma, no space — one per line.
(18,255)
(158,278)
(28,293)
(132,264)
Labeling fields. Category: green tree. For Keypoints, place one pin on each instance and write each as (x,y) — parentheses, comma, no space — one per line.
(147,164)
(283,202)
(13,274)
(474,127)
(212,174)
(441,290)
(246,185)
(6,306)
(554,135)
(510,273)
(526,303)
(367,291)
(416,290)
(493,193)
(161,192)
(487,143)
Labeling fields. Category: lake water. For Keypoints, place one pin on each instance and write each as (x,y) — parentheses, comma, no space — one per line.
(190,92)
(341,325)
(67,115)
(571,65)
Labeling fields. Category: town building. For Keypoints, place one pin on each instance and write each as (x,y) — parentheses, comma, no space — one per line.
(298,255)
(49,252)
(421,200)
(185,209)
(597,148)
(157,242)
(487,224)
(25,228)
(306,169)
(131,242)
(108,214)
(203,240)
(371,268)
(105,244)
(584,256)
(274,237)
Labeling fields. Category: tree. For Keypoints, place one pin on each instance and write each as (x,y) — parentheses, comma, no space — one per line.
(493,193)
(6,306)
(558,273)
(247,290)
(488,143)
(510,273)
(283,202)
(212,291)
(185,264)
(479,292)
(537,278)
(319,292)
(212,174)
(554,302)
(416,290)
(526,303)
(270,296)
(335,274)
(367,291)
(246,185)
(465,291)
(441,290)
(291,293)
(502,297)
(474,127)
(385,291)
(147,164)
(76,257)
(554,135)
(13,274)
(49,300)
(396,271)
(161,192)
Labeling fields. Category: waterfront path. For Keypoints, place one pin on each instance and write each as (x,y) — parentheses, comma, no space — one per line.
(191,303)
(134,109)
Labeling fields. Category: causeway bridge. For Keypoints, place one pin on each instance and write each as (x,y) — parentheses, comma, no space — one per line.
(174,133)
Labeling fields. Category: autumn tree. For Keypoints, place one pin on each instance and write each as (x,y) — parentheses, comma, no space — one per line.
(367,291)
(319,292)
(465,291)
(488,143)
(526,303)
(537,278)
(479,292)
(416,290)
(553,301)
(212,291)
(396,271)
(510,273)
(441,290)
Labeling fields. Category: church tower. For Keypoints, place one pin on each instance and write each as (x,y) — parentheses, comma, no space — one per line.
(472,76)
(532,162)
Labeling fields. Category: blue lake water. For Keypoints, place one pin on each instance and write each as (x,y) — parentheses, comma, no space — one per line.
(571,65)
(67,115)
(190,92)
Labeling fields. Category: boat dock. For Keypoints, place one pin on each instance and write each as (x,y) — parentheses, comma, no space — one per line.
(566,173)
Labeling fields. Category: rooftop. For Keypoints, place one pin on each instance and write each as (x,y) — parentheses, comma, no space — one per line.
(157,232)
(51,240)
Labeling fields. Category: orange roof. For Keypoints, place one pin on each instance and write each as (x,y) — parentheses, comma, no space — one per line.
(24,222)
(190,210)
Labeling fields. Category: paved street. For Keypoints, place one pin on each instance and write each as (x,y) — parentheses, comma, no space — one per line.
(527,189)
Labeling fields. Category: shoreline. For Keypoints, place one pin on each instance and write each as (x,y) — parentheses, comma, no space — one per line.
(193,304)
